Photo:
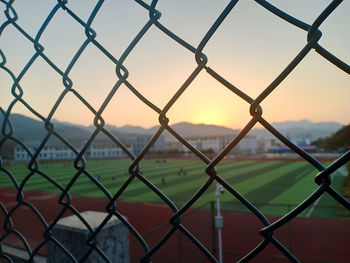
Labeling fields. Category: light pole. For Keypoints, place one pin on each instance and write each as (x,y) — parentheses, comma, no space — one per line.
(219,221)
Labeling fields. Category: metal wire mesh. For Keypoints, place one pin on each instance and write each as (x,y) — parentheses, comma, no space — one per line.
(322,179)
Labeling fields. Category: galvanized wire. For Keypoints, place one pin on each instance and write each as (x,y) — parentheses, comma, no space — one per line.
(322,179)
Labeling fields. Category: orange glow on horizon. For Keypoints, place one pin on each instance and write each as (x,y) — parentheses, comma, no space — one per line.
(209,119)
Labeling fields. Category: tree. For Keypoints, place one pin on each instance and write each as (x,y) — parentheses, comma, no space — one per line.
(339,140)
(7,148)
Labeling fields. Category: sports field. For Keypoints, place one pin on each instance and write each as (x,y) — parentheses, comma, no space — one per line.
(273,186)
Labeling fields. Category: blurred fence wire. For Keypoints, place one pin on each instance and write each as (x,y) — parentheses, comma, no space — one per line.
(323,179)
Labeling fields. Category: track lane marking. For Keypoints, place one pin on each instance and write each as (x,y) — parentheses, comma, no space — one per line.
(337,173)
(313,207)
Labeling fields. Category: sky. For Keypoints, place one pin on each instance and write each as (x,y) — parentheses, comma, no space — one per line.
(250,49)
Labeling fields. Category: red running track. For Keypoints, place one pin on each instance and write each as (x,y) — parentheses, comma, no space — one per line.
(310,240)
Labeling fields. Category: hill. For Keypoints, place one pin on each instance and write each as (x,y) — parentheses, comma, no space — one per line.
(340,139)
(28,129)
(301,129)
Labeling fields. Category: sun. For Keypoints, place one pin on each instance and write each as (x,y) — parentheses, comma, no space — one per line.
(210,117)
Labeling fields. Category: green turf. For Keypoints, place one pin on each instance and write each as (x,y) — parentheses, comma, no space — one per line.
(274,187)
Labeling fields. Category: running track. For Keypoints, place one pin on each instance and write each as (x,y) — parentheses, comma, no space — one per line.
(310,240)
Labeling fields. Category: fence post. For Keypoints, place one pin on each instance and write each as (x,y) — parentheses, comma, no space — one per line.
(212,207)
(113,239)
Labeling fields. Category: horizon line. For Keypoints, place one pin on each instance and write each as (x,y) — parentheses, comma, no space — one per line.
(184,121)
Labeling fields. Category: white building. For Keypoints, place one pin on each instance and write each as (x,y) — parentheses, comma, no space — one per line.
(97,150)
(139,141)
(62,152)
(21,154)
(248,145)
(104,150)
(215,143)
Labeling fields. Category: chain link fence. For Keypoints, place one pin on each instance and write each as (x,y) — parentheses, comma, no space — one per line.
(323,179)
(240,223)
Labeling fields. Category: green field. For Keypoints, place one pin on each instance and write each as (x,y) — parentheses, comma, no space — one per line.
(273,186)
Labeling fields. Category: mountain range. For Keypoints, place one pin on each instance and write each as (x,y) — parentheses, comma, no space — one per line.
(28,129)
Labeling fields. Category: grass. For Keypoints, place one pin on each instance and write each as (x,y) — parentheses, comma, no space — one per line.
(341,210)
(274,187)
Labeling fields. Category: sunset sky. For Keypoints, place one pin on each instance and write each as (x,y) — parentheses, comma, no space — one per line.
(250,49)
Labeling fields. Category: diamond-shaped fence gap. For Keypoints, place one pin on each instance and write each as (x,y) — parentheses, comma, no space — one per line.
(246,67)
(25,10)
(82,115)
(17,49)
(153,67)
(309,80)
(116,38)
(100,76)
(41,81)
(126,109)
(206,101)
(62,38)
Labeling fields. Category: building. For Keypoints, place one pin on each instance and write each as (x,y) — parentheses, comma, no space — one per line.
(139,141)
(105,150)
(208,143)
(62,152)
(248,145)
(97,150)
